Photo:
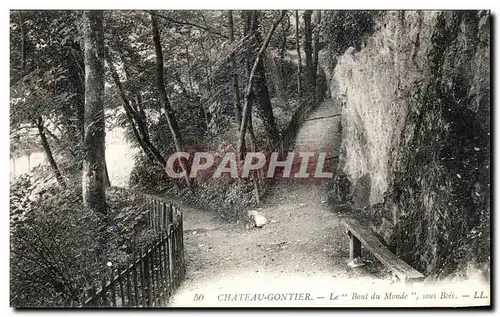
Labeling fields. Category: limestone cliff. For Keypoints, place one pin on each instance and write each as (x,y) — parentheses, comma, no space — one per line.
(415,154)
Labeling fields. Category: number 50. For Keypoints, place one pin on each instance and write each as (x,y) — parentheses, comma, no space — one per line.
(198,297)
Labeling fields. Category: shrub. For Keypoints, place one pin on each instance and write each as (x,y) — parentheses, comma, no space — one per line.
(55,242)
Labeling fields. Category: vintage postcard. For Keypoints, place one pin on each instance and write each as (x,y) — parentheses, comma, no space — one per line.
(250,158)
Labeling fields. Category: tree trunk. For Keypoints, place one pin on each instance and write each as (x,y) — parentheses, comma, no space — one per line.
(260,91)
(136,118)
(141,115)
(246,17)
(48,153)
(77,70)
(276,78)
(283,46)
(317,24)
(253,139)
(308,48)
(94,194)
(75,111)
(234,77)
(135,104)
(247,109)
(107,182)
(165,103)
(297,46)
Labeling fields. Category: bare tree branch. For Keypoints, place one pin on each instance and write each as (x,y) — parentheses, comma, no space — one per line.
(205,28)
(248,90)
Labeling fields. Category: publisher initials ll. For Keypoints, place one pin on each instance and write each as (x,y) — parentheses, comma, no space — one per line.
(477,295)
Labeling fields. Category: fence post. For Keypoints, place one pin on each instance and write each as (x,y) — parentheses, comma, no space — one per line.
(177,256)
(160,278)
(164,212)
(160,217)
(161,265)
(155,211)
(170,214)
(166,261)
(174,255)
(149,204)
(170,256)
(157,216)
(181,229)
(152,276)
(112,286)
(129,288)
(147,277)
(157,275)
(135,280)
(143,280)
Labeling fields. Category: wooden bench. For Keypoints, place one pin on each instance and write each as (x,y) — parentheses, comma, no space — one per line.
(359,235)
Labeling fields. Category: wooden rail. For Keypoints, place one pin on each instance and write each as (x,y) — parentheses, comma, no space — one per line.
(156,271)
(288,135)
(286,139)
(358,236)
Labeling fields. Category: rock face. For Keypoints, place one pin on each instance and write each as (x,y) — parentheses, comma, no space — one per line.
(371,84)
(416,132)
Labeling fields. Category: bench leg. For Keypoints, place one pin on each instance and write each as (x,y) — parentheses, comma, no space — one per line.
(354,247)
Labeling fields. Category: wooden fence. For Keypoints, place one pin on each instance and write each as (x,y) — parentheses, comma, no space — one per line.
(156,271)
(290,132)
(286,139)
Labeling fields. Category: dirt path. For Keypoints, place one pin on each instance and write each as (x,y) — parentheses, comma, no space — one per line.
(303,248)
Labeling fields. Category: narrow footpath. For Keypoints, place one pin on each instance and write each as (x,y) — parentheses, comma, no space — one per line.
(303,248)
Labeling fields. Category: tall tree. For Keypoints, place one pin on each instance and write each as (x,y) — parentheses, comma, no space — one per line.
(164,101)
(316,48)
(93,175)
(247,108)
(260,90)
(74,113)
(48,152)
(275,76)
(284,44)
(234,77)
(308,48)
(246,19)
(136,118)
(297,46)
